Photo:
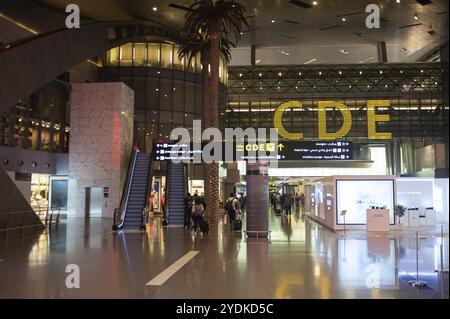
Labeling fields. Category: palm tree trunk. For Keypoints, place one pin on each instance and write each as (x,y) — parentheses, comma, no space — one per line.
(205,111)
(212,170)
(205,90)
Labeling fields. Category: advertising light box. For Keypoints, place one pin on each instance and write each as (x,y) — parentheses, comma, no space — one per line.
(356,196)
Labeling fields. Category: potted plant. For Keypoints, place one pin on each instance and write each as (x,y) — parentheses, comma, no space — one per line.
(399,211)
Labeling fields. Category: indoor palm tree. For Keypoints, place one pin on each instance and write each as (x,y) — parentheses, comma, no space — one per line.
(217,23)
(194,45)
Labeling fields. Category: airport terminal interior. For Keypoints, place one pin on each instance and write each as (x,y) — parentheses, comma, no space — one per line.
(330,177)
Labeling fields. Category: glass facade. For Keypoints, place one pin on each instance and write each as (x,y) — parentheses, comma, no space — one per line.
(157,55)
(417,112)
(39,122)
(168,92)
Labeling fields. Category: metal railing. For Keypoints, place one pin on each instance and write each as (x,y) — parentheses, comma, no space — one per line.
(47,217)
(121,210)
(146,209)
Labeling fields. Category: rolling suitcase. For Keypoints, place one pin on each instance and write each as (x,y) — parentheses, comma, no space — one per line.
(204,226)
(238,225)
(277,209)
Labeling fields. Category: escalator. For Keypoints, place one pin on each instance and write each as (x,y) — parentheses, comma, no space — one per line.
(135,195)
(176,193)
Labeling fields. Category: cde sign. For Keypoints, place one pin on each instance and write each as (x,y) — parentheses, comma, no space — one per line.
(323,107)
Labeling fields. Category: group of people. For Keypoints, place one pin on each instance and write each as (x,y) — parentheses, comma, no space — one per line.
(194,208)
(283,203)
(232,210)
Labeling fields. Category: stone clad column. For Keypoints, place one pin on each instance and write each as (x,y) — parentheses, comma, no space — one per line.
(101,140)
(258,198)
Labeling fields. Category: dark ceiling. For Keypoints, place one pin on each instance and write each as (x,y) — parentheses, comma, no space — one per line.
(274,23)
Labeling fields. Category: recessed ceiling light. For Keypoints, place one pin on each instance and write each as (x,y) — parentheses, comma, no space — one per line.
(155,9)
(343,51)
(315,3)
(273,21)
(416,17)
(344,19)
(398,1)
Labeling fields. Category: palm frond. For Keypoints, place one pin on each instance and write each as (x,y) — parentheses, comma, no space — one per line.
(225,17)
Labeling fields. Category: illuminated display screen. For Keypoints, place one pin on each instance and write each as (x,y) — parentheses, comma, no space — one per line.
(356,196)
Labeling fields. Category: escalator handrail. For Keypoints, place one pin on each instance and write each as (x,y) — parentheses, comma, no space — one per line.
(149,187)
(127,186)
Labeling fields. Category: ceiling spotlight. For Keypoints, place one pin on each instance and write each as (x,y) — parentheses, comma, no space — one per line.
(343,51)
(273,20)
(416,17)
(344,19)
(155,9)
(398,1)
(315,3)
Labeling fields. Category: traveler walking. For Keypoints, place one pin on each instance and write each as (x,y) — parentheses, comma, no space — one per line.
(197,213)
(187,211)
(282,201)
(302,202)
(297,202)
(231,209)
(278,204)
(288,204)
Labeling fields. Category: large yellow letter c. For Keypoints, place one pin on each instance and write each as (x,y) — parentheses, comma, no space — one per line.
(277,120)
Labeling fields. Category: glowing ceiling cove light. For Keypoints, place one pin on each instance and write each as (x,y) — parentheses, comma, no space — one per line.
(310,61)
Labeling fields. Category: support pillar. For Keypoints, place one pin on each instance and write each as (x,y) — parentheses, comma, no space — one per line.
(258,199)
(233,177)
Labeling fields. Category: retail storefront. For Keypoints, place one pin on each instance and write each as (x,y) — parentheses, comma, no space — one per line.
(39,191)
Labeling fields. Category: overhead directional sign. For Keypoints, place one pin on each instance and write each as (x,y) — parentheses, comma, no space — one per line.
(245,151)
(306,151)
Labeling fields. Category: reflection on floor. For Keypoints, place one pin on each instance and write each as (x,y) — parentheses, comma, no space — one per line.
(301,260)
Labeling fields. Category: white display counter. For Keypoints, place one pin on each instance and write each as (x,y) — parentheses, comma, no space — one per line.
(378,220)
(413,218)
(416,218)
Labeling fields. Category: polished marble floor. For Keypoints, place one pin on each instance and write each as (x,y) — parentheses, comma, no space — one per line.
(301,260)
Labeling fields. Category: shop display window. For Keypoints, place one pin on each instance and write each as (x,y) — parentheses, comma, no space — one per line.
(39,191)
